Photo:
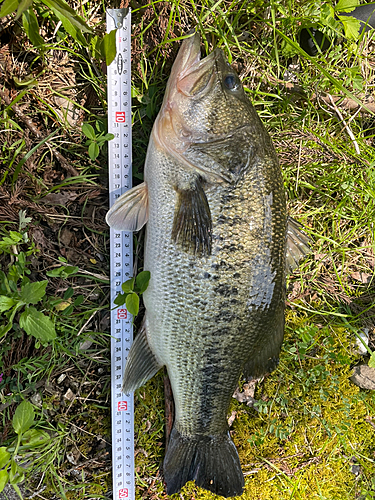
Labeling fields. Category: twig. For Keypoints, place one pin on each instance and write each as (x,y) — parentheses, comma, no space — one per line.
(93,314)
(38,134)
(37,493)
(353,116)
(345,102)
(299,163)
(299,156)
(346,126)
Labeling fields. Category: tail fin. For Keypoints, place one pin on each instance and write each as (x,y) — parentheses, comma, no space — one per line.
(212,461)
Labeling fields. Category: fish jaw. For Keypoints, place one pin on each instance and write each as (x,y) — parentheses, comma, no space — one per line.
(191,77)
(187,57)
(187,68)
(190,116)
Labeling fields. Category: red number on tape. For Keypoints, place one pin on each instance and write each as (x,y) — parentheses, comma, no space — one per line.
(122,314)
(122,406)
(123,493)
(120,116)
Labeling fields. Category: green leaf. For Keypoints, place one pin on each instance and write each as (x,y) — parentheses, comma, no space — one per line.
(6,303)
(93,151)
(68,310)
(4,457)
(132,303)
(108,47)
(24,5)
(31,26)
(23,220)
(120,299)
(142,280)
(351,27)
(29,81)
(4,478)
(66,13)
(69,293)
(78,301)
(100,141)
(63,272)
(10,240)
(23,417)
(358,82)
(335,81)
(88,130)
(8,7)
(34,437)
(128,286)
(17,474)
(37,324)
(69,27)
(371,362)
(32,293)
(5,328)
(95,43)
(17,490)
(108,137)
(346,5)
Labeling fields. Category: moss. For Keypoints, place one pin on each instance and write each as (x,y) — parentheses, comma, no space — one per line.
(100,484)
(310,429)
(149,437)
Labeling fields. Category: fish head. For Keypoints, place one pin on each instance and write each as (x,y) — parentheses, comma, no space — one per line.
(204,100)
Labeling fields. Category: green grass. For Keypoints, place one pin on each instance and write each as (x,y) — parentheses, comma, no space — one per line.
(312,426)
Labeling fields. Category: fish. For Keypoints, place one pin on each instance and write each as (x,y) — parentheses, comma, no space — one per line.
(218,247)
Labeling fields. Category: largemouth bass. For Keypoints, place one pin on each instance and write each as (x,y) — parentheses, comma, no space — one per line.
(216,239)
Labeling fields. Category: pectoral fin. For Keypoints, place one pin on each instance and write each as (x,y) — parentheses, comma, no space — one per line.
(297,245)
(141,364)
(192,224)
(130,210)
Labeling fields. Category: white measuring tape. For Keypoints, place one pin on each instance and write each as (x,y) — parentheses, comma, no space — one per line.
(121,252)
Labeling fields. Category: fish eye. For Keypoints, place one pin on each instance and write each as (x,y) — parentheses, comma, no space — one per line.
(231,82)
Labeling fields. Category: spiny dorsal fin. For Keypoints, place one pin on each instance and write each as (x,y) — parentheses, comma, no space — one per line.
(130,210)
(192,224)
(297,245)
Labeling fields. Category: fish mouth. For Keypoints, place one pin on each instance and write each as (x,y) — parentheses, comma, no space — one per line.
(192,74)
(190,77)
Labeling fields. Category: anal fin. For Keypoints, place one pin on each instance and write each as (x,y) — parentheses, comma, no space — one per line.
(141,364)
(192,224)
(297,245)
(130,210)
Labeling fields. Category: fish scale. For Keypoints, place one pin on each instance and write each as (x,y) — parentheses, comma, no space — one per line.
(187,316)
(216,250)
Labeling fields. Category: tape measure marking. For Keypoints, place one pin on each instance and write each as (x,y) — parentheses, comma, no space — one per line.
(121,252)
